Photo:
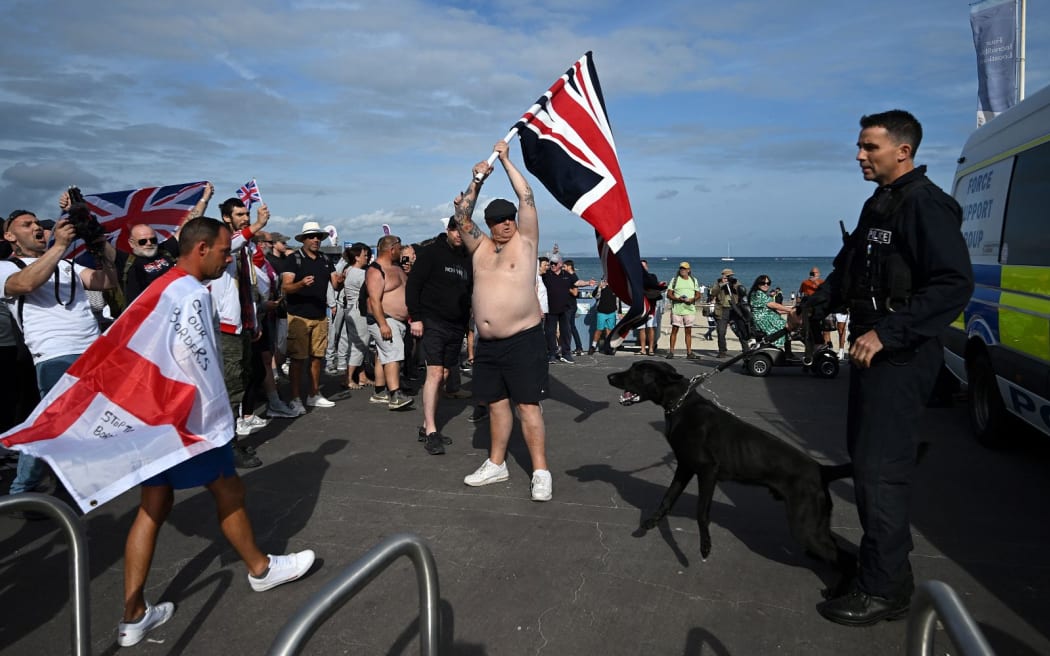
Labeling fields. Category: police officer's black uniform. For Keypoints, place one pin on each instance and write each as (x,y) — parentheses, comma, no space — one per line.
(904,273)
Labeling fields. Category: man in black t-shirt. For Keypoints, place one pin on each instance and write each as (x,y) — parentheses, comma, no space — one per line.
(605,312)
(438,298)
(559,284)
(147,261)
(305,279)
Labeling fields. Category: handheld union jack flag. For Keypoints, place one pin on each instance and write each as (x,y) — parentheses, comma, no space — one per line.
(567,143)
(249,193)
(163,208)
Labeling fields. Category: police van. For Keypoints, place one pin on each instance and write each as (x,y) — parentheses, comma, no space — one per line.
(1000,346)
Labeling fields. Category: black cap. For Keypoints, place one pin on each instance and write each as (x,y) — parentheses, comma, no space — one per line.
(500,209)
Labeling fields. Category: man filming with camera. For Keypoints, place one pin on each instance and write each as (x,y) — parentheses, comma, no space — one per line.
(725,293)
(49,299)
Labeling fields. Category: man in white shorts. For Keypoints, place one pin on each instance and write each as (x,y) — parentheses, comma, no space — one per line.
(841,321)
(385,281)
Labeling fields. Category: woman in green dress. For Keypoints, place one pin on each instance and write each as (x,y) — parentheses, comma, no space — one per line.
(768,314)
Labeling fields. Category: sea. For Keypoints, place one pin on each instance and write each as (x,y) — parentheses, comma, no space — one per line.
(785,272)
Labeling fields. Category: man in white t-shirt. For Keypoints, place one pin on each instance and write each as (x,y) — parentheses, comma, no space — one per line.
(48,296)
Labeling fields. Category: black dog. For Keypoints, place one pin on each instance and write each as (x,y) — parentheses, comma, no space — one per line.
(713,445)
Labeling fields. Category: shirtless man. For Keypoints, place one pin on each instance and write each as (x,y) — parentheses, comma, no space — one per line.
(510,360)
(385,280)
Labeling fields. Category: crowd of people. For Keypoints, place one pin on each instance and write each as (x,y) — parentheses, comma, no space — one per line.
(375,318)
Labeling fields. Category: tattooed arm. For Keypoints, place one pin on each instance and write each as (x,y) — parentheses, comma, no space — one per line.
(528,221)
(464,203)
(199,208)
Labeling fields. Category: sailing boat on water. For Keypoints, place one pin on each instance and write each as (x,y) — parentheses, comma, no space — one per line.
(729,255)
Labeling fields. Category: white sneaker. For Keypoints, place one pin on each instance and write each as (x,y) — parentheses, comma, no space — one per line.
(284,368)
(842,354)
(131,633)
(248,425)
(282,570)
(487,474)
(541,485)
(279,408)
(319,401)
(297,407)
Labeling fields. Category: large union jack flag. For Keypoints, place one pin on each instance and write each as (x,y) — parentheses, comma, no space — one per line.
(163,208)
(567,143)
(249,194)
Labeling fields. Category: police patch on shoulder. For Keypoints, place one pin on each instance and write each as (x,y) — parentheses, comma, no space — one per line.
(880,236)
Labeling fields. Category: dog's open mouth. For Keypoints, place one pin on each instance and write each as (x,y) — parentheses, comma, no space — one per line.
(629,398)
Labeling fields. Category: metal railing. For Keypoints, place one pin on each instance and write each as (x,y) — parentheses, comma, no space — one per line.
(935,600)
(342,588)
(78,557)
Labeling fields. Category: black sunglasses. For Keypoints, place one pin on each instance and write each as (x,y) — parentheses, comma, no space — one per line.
(493,222)
(766,282)
(313,237)
(147,240)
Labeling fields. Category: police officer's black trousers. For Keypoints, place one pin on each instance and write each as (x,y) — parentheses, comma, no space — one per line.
(885,403)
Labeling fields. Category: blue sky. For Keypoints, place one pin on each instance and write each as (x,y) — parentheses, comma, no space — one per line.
(735,122)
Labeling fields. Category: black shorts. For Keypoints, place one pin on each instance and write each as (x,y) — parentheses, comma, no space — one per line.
(514,367)
(442,342)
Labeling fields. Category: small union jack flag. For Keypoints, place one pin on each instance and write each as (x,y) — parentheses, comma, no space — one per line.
(249,193)
(163,208)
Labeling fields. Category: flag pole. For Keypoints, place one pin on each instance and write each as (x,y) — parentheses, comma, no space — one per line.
(1021,53)
(492,158)
(530,113)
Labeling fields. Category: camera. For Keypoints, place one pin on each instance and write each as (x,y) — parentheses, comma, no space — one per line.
(85,224)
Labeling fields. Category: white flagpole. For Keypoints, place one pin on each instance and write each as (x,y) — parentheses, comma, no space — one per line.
(492,158)
(514,130)
(1021,53)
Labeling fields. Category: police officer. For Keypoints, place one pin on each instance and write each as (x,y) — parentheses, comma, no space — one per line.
(904,273)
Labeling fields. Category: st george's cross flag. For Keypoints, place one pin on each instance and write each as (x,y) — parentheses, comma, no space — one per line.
(147,395)
(567,143)
(163,208)
(249,194)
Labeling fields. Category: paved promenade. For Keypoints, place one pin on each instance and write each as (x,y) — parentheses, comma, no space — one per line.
(566,577)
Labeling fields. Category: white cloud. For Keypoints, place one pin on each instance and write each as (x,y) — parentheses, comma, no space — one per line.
(362,114)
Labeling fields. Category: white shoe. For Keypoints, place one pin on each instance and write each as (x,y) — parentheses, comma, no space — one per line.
(279,408)
(541,485)
(487,474)
(318,401)
(283,569)
(297,407)
(131,633)
(248,425)
(284,368)
(842,354)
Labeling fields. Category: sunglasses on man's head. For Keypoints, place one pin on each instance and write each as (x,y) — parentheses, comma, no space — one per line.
(147,240)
